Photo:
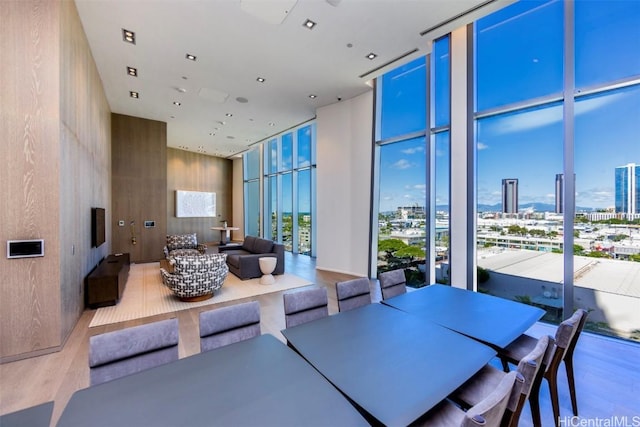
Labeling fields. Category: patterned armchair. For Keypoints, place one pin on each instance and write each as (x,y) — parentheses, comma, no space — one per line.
(197,277)
(183,244)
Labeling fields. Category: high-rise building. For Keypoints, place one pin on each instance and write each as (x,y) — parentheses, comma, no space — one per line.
(628,189)
(559,192)
(510,195)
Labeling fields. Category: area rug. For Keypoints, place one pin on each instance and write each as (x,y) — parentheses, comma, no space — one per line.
(145,295)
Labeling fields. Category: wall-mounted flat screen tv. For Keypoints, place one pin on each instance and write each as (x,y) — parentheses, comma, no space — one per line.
(98,226)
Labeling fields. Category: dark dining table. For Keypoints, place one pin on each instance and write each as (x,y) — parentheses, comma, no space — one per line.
(487,318)
(391,364)
(257,382)
(35,416)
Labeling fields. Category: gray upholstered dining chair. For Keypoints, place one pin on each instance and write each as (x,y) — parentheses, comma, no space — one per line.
(487,413)
(478,386)
(228,325)
(392,283)
(116,354)
(304,305)
(353,293)
(561,349)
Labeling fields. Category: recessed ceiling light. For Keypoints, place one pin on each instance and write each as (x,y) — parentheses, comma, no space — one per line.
(129,36)
(260,79)
(133,94)
(312,96)
(190,57)
(176,103)
(372,56)
(271,124)
(242,100)
(229,115)
(309,24)
(133,72)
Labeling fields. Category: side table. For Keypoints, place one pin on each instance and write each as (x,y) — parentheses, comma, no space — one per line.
(267,265)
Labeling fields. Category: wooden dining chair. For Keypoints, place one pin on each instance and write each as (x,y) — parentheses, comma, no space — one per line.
(116,354)
(353,293)
(486,413)
(561,349)
(228,325)
(392,283)
(478,386)
(305,305)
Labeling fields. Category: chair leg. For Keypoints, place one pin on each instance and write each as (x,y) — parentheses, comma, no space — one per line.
(534,401)
(505,364)
(553,390)
(568,364)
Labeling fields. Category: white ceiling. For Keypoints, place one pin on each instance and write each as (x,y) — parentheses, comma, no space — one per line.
(237,41)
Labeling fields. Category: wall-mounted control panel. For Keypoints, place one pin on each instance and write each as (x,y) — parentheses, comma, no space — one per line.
(25,248)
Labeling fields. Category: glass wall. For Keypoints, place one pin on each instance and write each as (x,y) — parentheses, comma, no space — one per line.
(401,165)
(440,120)
(537,120)
(289,189)
(547,103)
(251,162)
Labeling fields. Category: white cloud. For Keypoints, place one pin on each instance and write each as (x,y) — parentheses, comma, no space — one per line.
(402,164)
(413,150)
(482,146)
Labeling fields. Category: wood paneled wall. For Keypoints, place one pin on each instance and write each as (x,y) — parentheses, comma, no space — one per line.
(54,142)
(198,172)
(30,146)
(139,186)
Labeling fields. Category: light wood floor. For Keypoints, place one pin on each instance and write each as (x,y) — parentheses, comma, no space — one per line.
(607,370)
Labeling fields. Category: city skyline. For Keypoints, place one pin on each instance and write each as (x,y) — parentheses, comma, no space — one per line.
(528,143)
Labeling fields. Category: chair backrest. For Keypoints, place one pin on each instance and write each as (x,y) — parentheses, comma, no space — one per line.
(182,241)
(567,336)
(116,354)
(529,368)
(227,325)
(209,263)
(489,411)
(304,305)
(353,293)
(392,283)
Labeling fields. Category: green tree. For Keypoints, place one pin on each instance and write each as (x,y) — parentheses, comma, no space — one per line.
(410,252)
(389,246)
(578,250)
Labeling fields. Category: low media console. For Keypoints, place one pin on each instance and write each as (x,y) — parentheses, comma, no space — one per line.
(105,284)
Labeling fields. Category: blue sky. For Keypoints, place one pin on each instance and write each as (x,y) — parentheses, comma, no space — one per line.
(520,57)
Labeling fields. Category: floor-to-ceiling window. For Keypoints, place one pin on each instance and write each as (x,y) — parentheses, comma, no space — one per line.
(556,128)
(557,112)
(606,253)
(251,169)
(440,126)
(401,170)
(289,189)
